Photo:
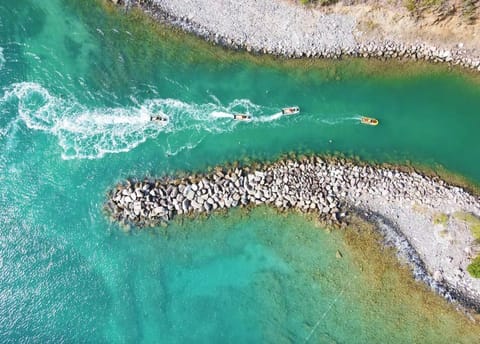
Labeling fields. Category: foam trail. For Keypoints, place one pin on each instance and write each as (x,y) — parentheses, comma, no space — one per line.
(83,133)
(173,149)
(215,99)
(2,59)
(86,133)
(220,114)
(334,121)
(270,118)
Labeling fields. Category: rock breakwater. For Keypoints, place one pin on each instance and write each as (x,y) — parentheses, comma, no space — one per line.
(311,185)
(285,29)
(401,204)
(326,187)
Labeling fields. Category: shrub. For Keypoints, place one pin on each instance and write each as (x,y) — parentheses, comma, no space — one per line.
(321,2)
(469,9)
(411,5)
(472,221)
(440,218)
(474,268)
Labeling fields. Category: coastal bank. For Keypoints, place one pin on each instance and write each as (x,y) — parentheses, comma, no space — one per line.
(421,216)
(289,29)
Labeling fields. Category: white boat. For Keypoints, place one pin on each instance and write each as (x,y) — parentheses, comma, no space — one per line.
(159,118)
(241,117)
(293,110)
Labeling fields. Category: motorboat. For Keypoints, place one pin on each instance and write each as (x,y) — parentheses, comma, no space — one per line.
(159,118)
(241,117)
(368,120)
(293,110)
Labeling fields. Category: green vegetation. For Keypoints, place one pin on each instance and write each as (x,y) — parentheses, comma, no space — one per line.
(474,268)
(411,5)
(418,5)
(466,8)
(321,2)
(429,3)
(472,221)
(440,219)
(469,9)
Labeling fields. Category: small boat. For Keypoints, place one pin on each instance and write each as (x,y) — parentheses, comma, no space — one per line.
(368,120)
(241,117)
(159,118)
(291,110)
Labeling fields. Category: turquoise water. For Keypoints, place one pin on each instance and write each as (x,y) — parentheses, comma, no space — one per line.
(78,85)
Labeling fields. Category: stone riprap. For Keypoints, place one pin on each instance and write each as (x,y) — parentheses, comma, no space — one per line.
(312,186)
(403,205)
(287,29)
(309,185)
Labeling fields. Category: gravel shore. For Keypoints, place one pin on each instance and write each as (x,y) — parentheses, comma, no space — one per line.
(405,206)
(286,28)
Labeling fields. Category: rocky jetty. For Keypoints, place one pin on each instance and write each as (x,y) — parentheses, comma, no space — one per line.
(310,185)
(290,30)
(403,205)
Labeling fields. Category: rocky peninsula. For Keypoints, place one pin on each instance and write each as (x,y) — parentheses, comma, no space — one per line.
(419,215)
(290,29)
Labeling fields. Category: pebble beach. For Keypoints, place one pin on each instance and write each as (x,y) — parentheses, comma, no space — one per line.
(288,29)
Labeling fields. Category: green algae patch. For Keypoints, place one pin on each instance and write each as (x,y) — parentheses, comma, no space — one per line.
(389,279)
(450,177)
(472,221)
(440,219)
(474,268)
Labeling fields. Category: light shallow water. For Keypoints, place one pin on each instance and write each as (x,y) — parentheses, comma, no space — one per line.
(78,88)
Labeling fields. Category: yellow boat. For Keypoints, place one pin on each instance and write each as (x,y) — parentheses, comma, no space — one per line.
(368,120)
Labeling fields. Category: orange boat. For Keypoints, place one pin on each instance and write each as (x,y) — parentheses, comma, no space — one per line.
(368,120)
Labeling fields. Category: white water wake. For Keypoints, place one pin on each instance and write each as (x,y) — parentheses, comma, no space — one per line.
(335,121)
(270,118)
(2,59)
(81,132)
(220,114)
(86,133)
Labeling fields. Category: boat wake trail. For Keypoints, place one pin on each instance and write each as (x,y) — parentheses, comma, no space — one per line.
(270,118)
(335,121)
(219,114)
(257,118)
(2,59)
(90,133)
(83,133)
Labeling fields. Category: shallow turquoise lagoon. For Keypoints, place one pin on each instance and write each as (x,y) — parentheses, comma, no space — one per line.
(79,82)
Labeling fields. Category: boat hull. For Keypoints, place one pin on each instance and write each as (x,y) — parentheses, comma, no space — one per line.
(291,111)
(369,121)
